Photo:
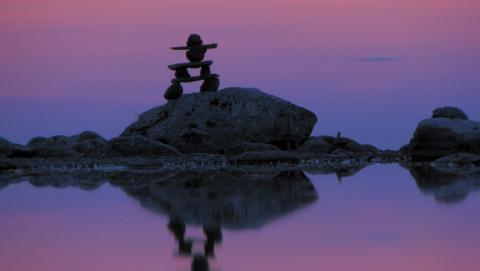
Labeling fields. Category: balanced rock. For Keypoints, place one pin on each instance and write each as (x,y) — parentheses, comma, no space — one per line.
(449,112)
(212,121)
(173,92)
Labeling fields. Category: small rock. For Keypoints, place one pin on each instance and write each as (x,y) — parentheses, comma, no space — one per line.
(210,84)
(173,92)
(449,112)
(194,40)
(196,54)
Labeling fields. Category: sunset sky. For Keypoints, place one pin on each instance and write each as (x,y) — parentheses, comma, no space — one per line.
(368,68)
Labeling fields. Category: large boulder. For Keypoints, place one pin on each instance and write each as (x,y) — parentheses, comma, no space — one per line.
(438,137)
(210,122)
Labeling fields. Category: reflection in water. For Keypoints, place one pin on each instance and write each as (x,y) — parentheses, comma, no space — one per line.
(446,186)
(218,199)
(230,199)
(211,199)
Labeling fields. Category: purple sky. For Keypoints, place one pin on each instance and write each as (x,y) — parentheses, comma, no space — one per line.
(371,69)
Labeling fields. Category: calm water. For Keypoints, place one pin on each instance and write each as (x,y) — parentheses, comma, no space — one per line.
(381,218)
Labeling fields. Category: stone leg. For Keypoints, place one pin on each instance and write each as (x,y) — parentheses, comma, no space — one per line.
(182,73)
(205,70)
(210,84)
(173,92)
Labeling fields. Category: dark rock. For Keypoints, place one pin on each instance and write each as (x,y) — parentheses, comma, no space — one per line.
(194,40)
(212,121)
(86,143)
(263,157)
(173,92)
(88,147)
(55,146)
(86,135)
(250,147)
(347,146)
(200,263)
(210,84)
(12,150)
(5,166)
(36,141)
(449,112)
(205,71)
(441,136)
(182,73)
(139,146)
(472,143)
(196,54)
(316,144)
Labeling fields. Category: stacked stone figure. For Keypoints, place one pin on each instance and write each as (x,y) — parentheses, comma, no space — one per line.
(195,54)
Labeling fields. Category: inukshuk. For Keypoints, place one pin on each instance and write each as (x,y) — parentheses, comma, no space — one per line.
(195,54)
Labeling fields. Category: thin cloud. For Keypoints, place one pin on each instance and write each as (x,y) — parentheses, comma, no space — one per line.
(376,59)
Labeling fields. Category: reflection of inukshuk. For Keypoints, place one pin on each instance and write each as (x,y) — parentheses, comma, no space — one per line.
(195,54)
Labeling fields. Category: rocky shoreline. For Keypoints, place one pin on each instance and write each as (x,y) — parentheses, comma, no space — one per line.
(239,127)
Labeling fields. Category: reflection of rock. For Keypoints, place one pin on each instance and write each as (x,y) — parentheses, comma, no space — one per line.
(85,181)
(227,199)
(341,169)
(447,187)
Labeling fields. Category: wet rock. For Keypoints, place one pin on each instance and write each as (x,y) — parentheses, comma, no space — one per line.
(139,146)
(213,121)
(449,112)
(173,92)
(263,157)
(250,147)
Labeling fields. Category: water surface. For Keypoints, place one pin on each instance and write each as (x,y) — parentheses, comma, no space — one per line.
(381,218)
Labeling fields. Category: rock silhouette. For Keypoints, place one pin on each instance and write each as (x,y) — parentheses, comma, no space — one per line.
(196,51)
(448,131)
(212,122)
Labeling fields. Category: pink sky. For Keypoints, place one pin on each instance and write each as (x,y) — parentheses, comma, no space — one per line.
(59,59)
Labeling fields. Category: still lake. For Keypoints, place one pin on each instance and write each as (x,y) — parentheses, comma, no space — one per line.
(381,218)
